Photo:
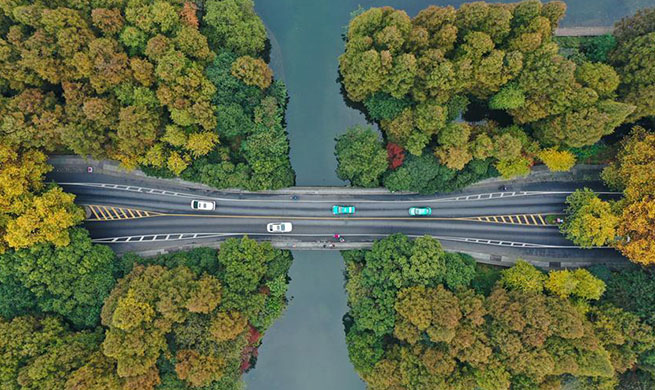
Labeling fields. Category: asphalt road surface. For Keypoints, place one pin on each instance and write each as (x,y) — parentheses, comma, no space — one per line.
(136,215)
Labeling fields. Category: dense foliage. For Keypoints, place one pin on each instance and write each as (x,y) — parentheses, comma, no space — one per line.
(30,212)
(360,156)
(410,328)
(634,60)
(141,82)
(628,223)
(415,75)
(187,320)
(72,281)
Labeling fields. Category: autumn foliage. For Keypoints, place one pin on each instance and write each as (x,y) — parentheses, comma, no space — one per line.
(395,155)
(531,329)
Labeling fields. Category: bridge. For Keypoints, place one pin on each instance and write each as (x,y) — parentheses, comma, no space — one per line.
(131,212)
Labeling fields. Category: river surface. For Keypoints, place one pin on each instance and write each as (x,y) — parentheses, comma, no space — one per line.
(305,349)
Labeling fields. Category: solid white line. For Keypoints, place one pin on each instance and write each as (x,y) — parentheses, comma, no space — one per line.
(190,236)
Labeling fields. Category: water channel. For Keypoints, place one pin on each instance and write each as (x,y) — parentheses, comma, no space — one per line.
(305,349)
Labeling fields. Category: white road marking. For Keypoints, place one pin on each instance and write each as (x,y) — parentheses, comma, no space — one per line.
(191,236)
(470,197)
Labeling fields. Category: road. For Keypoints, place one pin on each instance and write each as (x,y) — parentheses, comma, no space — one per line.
(136,215)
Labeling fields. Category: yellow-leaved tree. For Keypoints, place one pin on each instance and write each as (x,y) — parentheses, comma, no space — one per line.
(634,173)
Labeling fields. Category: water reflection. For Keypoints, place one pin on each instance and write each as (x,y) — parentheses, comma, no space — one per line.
(305,349)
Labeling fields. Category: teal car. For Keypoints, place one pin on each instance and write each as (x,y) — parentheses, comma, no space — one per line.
(420,211)
(341,210)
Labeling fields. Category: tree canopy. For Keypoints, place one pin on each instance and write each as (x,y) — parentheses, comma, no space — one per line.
(529,331)
(634,59)
(134,81)
(415,76)
(186,320)
(360,156)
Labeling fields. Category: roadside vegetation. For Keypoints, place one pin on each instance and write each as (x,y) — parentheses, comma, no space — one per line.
(188,320)
(424,318)
(535,98)
(176,87)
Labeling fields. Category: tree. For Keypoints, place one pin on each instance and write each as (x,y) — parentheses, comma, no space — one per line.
(20,175)
(71,281)
(395,155)
(590,221)
(234,25)
(557,160)
(637,227)
(524,277)
(509,97)
(144,306)
(579,283)
(360,156)
(632,172)
(633,60)
(46,219)
(42,353)
(517,335)
(252,71)
(381,106)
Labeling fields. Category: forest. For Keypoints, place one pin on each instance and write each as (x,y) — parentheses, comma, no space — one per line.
(424,318)
(179,88)
(531,100)
(176,88)
(188,320)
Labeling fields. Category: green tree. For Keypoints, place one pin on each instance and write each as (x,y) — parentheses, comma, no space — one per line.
(234,25)
(42,353)
(360,156)
(579,283)
(634,62)
(71,281)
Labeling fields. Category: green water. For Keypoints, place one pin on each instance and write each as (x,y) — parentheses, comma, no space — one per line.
(305,349)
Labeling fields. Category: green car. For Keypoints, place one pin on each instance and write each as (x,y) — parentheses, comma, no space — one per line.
(418,211)
(339,210)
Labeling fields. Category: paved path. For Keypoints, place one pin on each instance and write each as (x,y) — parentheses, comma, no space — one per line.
(583,31)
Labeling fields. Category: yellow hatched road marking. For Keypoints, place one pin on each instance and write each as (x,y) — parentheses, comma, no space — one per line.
(495,219)
(533,219)
(526,219)
(138,213)
(102,213)
(542,220)
(116,213)
(146,213)
(131,214)
(106,210)
(94,212)
(123,213)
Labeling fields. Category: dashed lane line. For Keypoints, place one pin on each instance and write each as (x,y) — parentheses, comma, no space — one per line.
(470,197)
(143,214)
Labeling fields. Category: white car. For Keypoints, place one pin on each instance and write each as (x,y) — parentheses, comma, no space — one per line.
(205,205)
(280,227)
